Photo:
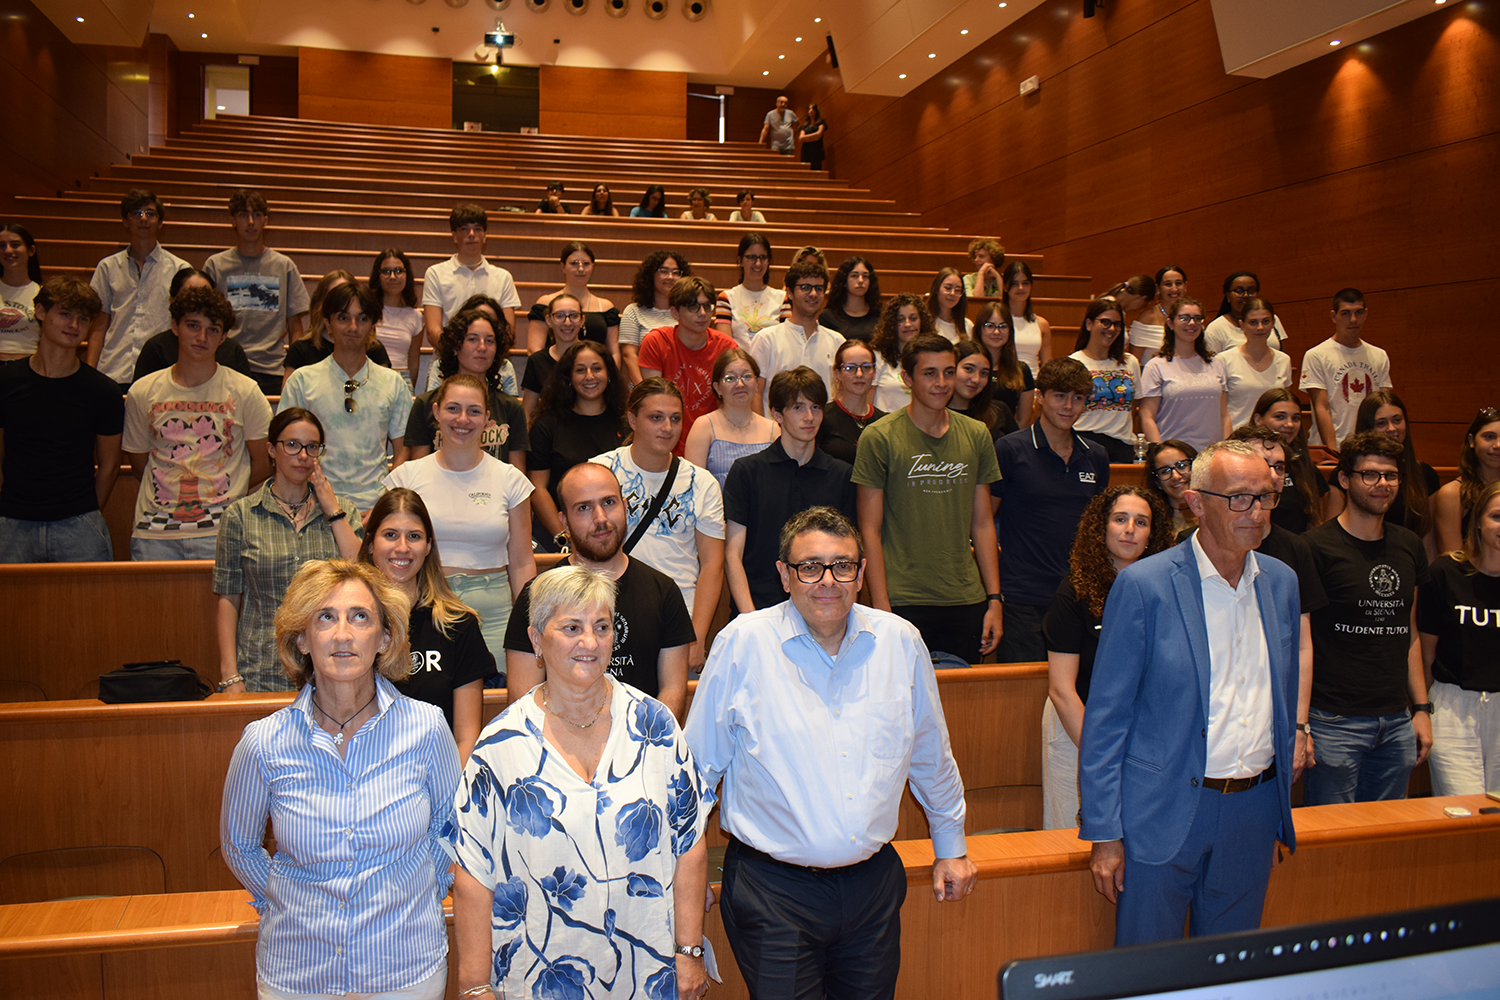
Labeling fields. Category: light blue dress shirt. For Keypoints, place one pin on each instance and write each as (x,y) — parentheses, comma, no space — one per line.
(815,750)
(353,899)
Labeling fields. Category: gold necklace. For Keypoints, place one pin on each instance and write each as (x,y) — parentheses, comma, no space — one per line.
(577,725)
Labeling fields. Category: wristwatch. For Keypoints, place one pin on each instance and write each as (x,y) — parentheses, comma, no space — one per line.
(1427,707)
(1304,727)
(690,950)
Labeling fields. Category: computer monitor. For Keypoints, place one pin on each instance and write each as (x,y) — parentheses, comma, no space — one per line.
(1436,953)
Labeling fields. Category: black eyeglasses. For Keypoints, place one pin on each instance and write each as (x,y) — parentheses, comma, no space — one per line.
(755,258)
(696,307)
(1108,324)
(811,571)
(1371,477)
(1241,502)
(994,326)
(313,448)
(807,289)
(1181,468)
(392,272)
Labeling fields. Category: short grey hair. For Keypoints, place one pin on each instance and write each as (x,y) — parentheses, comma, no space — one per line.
(569,587)
(1205,459)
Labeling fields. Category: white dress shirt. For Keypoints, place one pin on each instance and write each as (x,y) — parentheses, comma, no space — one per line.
(1240,722)
(136,297)
(786,345)
(815,751)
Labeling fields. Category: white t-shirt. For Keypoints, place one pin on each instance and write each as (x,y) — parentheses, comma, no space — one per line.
(398,327)
(470,510)
(786,345)
(1222,334)
(1348,375)
(707,216)
(1112,400)
(1027,336)
(1246,385)
(636,322)
(891,394)
(1189,389)
(755,216)
(19,332)
(749,312)
(670,544)
(194,439)
(950,332)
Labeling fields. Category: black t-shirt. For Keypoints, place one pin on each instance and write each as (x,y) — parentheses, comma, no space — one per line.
(1069,628)
(595,324)
(1397,514)
(161,352)
(1012,397)
(1362,637)
(539,368)
(1291,512)
(1293,550)
(649,616)
(505,433)
(560,441)
(308,352)
(440,663)
(839,434)
(50,425)
(860,328)
(1462,608)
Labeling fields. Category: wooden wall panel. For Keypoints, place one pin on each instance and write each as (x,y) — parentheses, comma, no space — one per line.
(577,100)
(744,113)
(379,89)
(273,86)
(1368,167)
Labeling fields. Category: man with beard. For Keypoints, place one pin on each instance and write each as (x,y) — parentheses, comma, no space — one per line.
(652,626)
(1366,658)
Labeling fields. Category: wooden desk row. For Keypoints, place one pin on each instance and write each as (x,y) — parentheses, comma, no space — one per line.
(86,774)
(1035,897)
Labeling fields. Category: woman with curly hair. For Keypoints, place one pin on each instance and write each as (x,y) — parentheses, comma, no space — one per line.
(988,257)
(1384,411)
(1119,526)
(649,307)
(903,319)
(473,343)
(1478,466)
(853,300)
(581,414)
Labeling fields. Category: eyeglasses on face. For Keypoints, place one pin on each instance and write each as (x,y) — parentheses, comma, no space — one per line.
(811,571)
(1241,502)
(808,289)
(1108,324)
(145,214)
(1243,293)
(669,272)
(393,272)
(991,325)
(293,447)
(1181,468)
(756,258)
(696,307)
(746,378)
(850,367)
(568,316)
(1190,319)
(1371,477)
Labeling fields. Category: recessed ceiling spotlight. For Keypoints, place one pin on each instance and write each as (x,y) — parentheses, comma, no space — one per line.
(781,57)
(191,16)
(765,72)
(1440,1)
(901,77)
(1002,5)
(78,19)
(817,20)
(964,31)
(932,55)
(1335,41)
(203,34)
(797,39)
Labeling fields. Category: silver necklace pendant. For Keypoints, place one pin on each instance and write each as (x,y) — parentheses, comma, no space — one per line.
(338,739)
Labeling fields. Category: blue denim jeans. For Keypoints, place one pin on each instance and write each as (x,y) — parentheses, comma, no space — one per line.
(1360,758)
(84,538)
(153,549)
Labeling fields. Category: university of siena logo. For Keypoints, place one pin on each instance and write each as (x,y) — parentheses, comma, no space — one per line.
(1384,580)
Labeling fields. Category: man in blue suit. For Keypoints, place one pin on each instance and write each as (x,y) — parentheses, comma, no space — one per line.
(1186,763)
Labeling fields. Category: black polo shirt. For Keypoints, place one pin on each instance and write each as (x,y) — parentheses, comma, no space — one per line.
(764,490)
(1043,501)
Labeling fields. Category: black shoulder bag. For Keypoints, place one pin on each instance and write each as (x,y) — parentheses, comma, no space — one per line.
(655,508)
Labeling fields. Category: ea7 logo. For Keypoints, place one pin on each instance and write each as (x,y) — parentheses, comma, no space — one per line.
(1086,477)
(1055,979)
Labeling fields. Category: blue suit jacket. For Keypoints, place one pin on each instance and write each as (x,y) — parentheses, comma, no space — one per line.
(1145,729)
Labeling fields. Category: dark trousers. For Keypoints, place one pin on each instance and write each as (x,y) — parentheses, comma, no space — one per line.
(1118,451)
(1022,641)
(955,629)
(269,384)
(810,933)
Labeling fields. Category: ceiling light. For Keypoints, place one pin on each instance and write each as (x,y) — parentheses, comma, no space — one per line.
(781,57)
(1439,1)
(1335,41)
(797,39)
(964,31)
(191,16)
(932,55)
(1002,5)
(765,72)
(203,34)
(220,108)
(817,20)
(901,77)
(78,19)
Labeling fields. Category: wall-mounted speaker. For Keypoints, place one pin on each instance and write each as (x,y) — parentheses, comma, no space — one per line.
(695,10)
(617,8)
(537,6)
(497,4)
(655,9)
(576,6)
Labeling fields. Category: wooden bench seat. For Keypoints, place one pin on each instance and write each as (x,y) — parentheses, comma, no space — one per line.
(1034,897)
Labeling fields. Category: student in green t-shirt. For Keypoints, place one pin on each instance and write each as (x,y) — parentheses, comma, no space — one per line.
(923,475)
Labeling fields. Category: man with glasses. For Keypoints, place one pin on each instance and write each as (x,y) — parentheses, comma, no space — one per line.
(799,339)
(685,354)
(815,713)
(1341,371)
(264,287)
(1185,770)
(1048,475)
(764,490)
(195,435)
(1367,661)
(133,288)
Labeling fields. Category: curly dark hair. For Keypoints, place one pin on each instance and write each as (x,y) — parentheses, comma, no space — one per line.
(1089,566)
(643,288)
(453,338)
(886,342)
(558,395)
(838,288)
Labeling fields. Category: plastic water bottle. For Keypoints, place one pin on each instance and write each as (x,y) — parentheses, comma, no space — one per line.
(1140,449)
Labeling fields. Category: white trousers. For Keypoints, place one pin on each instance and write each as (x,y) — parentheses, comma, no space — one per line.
(1059,773)
(1465,756)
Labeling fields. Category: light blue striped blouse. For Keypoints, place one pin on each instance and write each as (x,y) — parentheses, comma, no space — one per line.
(352,901)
